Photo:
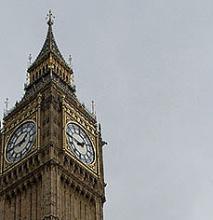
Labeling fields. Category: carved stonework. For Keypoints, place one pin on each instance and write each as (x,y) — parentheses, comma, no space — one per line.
(47,179)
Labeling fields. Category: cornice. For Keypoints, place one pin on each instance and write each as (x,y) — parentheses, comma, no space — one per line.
(31,171)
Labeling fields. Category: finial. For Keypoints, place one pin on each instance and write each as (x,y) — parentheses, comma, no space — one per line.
(93,107)
(6,104)
(99,127)
(70,60)
(27,74)
(30,59)
(50,18)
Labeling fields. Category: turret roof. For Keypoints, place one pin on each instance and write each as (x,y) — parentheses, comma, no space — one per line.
(50,45)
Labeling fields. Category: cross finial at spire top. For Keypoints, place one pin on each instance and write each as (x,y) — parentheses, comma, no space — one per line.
(50,18)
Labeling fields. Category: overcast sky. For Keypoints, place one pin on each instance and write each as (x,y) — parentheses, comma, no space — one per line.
(148,64)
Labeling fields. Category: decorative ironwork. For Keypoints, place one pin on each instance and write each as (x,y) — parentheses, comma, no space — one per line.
(50,18)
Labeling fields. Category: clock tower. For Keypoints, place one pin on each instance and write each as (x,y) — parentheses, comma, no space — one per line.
(51,157)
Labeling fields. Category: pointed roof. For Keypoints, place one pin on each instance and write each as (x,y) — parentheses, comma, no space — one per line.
(50,45)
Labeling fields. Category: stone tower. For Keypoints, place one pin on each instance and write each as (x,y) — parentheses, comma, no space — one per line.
(51,160)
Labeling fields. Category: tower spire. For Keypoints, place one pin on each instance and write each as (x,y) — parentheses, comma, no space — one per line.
(50,45)
(50,59)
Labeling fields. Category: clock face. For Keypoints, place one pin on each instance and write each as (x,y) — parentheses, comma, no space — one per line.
(79,143)
(21,141)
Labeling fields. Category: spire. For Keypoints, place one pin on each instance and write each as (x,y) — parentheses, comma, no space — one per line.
(50,45)
(50,61)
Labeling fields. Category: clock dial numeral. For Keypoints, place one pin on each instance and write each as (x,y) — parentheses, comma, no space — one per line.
(79,143)
(21,141)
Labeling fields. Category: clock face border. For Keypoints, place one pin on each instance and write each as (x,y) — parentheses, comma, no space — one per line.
(10,137)
(69,148)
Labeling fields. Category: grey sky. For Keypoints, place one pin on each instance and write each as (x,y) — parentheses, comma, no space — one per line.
(148,65)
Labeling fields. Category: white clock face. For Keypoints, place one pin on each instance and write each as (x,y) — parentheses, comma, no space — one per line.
(21,141)
(79,143)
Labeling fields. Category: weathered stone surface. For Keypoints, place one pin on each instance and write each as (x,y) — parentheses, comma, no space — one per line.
(50,183)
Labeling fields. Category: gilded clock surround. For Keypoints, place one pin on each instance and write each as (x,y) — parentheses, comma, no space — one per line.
(15,118)
(13,133)
(91,144)
(50,183)
(81,118)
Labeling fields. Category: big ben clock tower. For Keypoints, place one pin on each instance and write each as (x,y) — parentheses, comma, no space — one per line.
(51,160)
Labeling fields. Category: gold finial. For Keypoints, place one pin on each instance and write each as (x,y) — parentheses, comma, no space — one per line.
(50,18)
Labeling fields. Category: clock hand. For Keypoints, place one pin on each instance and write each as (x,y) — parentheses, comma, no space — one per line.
(71,136)
(78,143)
(17,145)
(81,144)
(25,136)
(21,142)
